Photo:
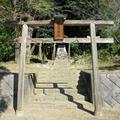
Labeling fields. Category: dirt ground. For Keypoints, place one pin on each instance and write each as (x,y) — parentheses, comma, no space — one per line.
(55,114)
(62,114)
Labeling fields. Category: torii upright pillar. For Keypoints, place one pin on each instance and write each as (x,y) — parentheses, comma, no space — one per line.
(95,78)
(21,79)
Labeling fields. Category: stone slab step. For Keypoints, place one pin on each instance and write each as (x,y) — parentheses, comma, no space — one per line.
(54,105)
(64,86)
(46,91)
(52,85)
(75,96)
(52,77)
(52,91)
(78,97)
(38,91)
(48,98)
(51,80)
(60,79)
(57,75)
(42,85)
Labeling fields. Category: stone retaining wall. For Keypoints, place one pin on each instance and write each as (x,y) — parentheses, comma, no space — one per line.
(110,88)
(9,87)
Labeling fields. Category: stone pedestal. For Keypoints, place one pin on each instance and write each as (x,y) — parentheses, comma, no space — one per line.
(61,51)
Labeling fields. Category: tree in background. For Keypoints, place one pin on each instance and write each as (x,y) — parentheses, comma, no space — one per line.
(40,9)
(31,9)
(77,9)
(72,9)
(6,50)
(110,9)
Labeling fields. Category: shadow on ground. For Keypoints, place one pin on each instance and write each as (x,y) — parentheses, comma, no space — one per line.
(84,86)
(113,67)
(70,97)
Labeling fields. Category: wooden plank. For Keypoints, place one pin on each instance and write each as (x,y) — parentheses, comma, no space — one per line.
(21,78)
(69,52)
(87,22)
(37,23)
(66,40)
(70,40)
(28,52)
(40,51)
(33,48)
(67,22)
(95,80)
(54,51)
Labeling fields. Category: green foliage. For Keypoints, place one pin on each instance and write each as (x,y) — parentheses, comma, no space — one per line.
(11,9)
(108,52)
(113,31)
(109,9)
(6,50)
(6,33)
(77,9)
(40,8)
(103,54)
(44,32)
(5,9)
(80,49)
(115,49)
(72,9)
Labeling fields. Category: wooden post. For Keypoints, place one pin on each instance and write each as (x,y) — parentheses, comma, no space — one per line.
(40,51)
(20,97)
(54,50)
(28,51)
(95,80)
(69,50)
(17,52)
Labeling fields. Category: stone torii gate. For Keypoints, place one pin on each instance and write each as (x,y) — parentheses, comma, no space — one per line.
(93,40)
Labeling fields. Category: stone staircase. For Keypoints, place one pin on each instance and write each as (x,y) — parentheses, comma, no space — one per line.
(55,88)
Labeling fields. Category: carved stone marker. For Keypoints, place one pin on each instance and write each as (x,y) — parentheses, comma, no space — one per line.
(61,51)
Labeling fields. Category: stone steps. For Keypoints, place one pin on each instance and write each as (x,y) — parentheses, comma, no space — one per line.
(55,88)
(48,90)
(55,93)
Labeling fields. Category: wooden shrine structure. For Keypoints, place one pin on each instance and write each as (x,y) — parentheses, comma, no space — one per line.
(59,38)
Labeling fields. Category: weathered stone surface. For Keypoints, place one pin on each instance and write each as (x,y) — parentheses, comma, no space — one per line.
(9,87)
(110,89)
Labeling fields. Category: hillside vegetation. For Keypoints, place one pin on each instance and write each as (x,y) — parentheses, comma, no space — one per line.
(72,9)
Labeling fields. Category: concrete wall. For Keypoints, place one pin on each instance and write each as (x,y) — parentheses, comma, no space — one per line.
(9,87)
(110,88)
